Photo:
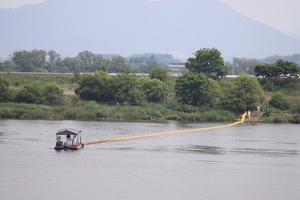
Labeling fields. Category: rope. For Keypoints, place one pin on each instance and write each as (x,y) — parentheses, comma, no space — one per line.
(166,133)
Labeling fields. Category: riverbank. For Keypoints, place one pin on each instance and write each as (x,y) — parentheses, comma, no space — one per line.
(149,112)
(94,111)
(73,108)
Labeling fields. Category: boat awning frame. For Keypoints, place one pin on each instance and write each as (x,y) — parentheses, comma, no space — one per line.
(68,131)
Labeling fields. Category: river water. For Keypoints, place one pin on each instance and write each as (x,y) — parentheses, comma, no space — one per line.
(245,161)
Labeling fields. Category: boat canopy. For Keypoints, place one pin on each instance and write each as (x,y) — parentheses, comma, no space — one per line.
(68,131)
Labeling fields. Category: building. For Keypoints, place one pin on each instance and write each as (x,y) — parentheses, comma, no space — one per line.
(176,68)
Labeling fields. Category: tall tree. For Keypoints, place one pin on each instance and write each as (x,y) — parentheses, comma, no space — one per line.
(86,59)
(95,87)
(126,89)
(53,58)
(117,63)
(30,61)
(197,89)
(72,64)
(209,62)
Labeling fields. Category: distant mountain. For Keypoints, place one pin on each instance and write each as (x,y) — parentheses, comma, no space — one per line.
(295,36)
(129,27)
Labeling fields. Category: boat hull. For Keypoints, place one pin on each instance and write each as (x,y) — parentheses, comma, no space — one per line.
(72,147)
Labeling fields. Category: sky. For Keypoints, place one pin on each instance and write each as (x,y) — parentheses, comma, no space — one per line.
(283,15)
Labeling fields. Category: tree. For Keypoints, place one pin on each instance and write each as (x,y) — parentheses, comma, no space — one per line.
(53,58)
(98,63)
(72,64)
(117,63)
(5,92)
(151,62)
(29,61)
(126,89)
(280,102)
(155,90)
(279,69)
(53,94)
(197,89)
(244,65)
(30,93)
(209,62)
(244,93)
(159,73)
(95,87)
(264,70)
(86,59)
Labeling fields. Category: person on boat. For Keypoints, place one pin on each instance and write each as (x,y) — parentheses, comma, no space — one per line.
(68,141)
(74,140)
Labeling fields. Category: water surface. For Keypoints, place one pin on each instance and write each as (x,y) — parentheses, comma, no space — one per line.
(246,161)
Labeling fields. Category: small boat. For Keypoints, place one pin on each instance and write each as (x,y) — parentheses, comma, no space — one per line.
(68,138)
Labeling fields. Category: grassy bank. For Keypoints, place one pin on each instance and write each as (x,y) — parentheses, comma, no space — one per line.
(94,111)
(19,80)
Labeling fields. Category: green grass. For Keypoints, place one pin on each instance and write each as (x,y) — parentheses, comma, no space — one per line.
(95,111)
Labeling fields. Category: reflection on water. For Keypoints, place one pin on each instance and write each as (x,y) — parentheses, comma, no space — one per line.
(202,149)
(246,161)
(267,152)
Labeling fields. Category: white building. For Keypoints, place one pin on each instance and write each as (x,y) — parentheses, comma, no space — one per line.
(176,68)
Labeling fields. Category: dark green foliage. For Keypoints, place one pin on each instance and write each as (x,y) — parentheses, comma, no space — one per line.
(5,92)
(209,62)
(153,89)
(95,87)
(53,94)
(125,89)
(281,69)
(280,102)
(196,89)
(159,73)
(242,94)
(31,93)
(35,93)
(29,61)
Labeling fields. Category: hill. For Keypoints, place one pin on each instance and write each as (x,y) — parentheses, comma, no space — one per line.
(137,26)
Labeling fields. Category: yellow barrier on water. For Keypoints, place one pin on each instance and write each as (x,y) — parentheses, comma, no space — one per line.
(166,133)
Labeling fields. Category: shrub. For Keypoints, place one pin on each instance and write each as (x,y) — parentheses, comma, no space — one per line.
(280,102)
(30,93)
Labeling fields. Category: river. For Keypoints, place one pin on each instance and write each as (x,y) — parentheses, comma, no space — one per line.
(245,161)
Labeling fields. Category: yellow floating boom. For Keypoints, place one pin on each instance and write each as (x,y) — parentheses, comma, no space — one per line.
(166,133)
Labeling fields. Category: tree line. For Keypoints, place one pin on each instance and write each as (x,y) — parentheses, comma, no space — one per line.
(42,61)
(203,86)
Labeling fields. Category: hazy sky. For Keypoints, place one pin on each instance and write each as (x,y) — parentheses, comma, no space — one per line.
(283,15)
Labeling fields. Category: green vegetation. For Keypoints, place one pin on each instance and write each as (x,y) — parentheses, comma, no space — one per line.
(85,61)
(94,111)
(202,94)
(209,62)
(280,102)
